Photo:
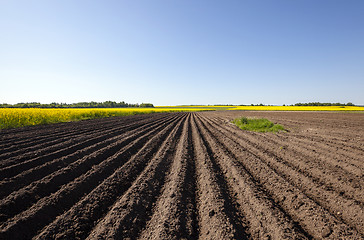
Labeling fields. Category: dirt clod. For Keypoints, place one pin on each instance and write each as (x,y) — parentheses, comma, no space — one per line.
(326,232)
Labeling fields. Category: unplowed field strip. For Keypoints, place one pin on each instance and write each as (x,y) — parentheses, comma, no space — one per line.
(185,176)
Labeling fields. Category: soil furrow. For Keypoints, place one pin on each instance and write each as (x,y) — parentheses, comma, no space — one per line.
(330,200)
(49,207)
(344,158)
(26,135)
(332,156)
(347,156)
(218,214)
(84,215)
(174,213)
(23,198)
(185,176)
(33,145)
(56,131)
(136,204)
(320,170)
(292,196)
(28,176)
(265,219)
(344,146)
(7,184)
(43,145)
(314,167)
(17,168)
(51,146)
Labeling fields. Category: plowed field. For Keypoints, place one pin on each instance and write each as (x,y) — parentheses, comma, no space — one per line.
(185,176)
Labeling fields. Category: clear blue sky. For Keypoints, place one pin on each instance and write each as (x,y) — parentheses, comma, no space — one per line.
(182,52)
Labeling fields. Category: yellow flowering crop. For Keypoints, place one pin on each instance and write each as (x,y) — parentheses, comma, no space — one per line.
(276,108)
(19,117)
(298,108)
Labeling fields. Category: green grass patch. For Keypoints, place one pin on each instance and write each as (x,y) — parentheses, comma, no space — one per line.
(257,125)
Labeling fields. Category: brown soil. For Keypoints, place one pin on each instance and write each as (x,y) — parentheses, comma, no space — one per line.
(185,176)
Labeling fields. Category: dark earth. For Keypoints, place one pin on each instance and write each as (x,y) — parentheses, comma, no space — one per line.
(185,176)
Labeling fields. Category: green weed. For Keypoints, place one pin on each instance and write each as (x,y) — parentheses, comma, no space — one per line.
(257,125)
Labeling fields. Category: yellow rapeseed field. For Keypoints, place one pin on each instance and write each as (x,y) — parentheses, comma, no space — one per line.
(275,108)
(19,117)
(298,108)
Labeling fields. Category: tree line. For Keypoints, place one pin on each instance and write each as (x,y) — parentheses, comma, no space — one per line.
(324,104)
(107,104)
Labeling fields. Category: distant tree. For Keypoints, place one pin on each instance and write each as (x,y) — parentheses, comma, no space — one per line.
(146,105)
(323,104)
(106,104)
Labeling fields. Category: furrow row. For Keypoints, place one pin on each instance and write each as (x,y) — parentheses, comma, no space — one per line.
(46,146)
(23,198)
(174,213)
(47,208)
(219,217)
(340,157)
(315,208)
(61,151)
(184,176)
(136,205)
(21,137)
(85,214)
(28,176)
(341,149)
(89,136)
(264,219)
(315,167)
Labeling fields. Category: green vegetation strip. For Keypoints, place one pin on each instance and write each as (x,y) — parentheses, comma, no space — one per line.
(257,125)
